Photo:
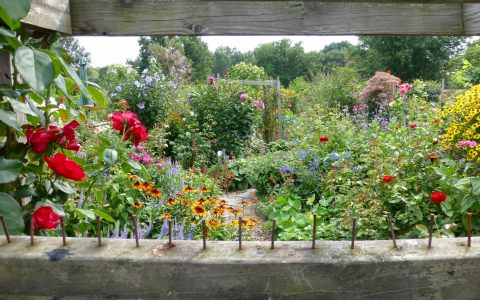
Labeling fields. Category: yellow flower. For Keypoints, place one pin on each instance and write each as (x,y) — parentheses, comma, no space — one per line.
(199,210)
(213,223)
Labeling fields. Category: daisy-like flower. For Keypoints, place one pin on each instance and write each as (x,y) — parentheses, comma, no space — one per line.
(146,186)
(199,210)
(188,189)
(236,222)
(137,185)
(166,216)
(222,202)
(218,211)
(170,201)
(204,190)
(251,223)
(155,193)
(201,202)
(137,205)
(213,223)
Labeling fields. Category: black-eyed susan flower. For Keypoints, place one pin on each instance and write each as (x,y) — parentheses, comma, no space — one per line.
(137,205)
(213,223)
(204,190)
(166,216)
(199,210)
(218,211)
(155,193)
(188,189)
(201,201)
(170,201)
(137,185)
(146,186)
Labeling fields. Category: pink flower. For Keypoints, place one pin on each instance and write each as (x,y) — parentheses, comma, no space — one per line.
(244,97)
(405,88)
(465,144)
(211,80)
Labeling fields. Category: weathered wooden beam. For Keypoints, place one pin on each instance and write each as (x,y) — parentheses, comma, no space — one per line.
(471,19)
(50,15)
(191,17)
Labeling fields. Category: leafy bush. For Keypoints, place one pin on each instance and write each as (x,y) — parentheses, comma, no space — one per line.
(379,91)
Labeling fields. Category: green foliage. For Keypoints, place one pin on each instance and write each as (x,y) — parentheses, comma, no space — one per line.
(74,50)
(245,71)
(224,58)
(409,57)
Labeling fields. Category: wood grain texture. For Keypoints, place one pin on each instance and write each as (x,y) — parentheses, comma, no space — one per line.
(190,17)
(472,19)
(52,15)
(6,68)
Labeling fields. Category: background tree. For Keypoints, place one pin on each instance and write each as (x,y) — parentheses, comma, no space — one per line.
(334,55)
(281,59)
(224,58)
(197,52)
(409,57)
(73,48)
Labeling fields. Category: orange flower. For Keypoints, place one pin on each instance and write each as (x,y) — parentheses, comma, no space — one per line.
(137,186)
(146,186)
(166,216)
(222,202)
(170,201)
(155,193)
(251,223)
(199,210)
(132,177)
(244,222)
(185,202)
(137,205)
(188,189)
(213,223)
(201,202)
(204,190)
(245,202)
(218,211)
(235,211)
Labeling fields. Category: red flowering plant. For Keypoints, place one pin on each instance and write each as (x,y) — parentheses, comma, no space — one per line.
(38,124)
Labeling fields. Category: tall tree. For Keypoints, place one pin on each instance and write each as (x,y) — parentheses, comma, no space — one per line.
(409,57)
(73,48)
(197,52)
(224,58)
(334,55)
(281,59)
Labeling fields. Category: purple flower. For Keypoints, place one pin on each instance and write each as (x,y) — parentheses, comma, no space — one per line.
(465,144)
(141,105)
(286,169)
(211,80)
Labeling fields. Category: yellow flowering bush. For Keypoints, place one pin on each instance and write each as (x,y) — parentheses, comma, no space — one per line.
(463,117)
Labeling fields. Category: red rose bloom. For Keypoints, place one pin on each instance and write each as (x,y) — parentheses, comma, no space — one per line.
(438,197)
(412,125)
(45,218)
(136,134)
(387,178)
(122,121)
(65,167)
(40,138)
(324,139)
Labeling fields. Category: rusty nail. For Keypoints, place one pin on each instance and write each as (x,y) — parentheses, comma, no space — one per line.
(64,236)
(5,229)
(170,234)
(135,230)
(354,232)
(430,230)
(204,234)
(469,222)
(274,223)
(99,231)
(32,230)
(240,233)
(314,235)
(392,232)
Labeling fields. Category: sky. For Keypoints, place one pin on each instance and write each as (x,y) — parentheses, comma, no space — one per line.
(117,50)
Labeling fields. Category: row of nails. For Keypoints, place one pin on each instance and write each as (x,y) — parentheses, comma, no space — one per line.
(204,231)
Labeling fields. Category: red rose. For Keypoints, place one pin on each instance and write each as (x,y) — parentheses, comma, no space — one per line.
(122,121)
(45,218)
(68,140)
(438,197)
(324,139)
(39,138)
(65,167)
(387,178)
(437,121)
(136,134)
(412,125)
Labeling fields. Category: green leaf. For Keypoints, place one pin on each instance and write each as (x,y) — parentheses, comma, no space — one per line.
(103,215)
(110,155)
(10,119)
(9,169)
(466,203)
(11,212)
(86,213)
(73,75)
(35,67)
(64,187)
(8,20)
(25,191)
(16,9)
(97,96)
(422,228)
(19,106)
(33,107)
(60,83)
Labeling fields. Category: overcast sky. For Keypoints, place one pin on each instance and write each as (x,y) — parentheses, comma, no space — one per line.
(116,50)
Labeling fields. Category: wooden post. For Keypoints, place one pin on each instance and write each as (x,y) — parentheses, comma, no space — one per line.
(6,68)
(279,109)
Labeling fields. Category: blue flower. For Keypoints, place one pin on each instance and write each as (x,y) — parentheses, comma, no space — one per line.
(141,105)
(303,155)
(119,88)
(355,169)
(286,168)
(347,155)
(335,156)
(148,80)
